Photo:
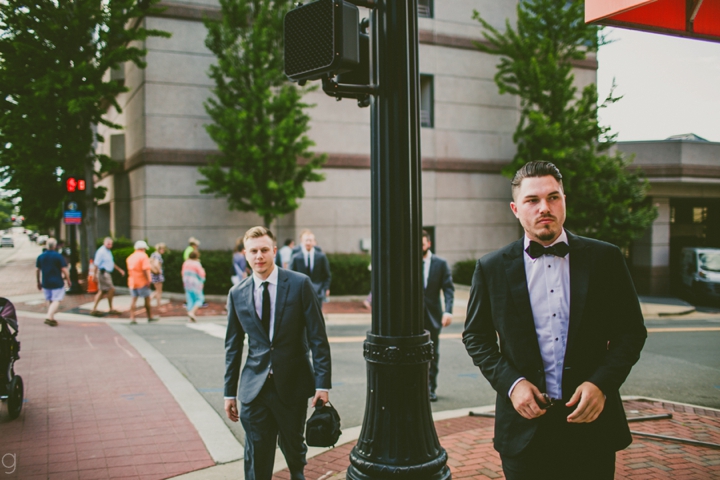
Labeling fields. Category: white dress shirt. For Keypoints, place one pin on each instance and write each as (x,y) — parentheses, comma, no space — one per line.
(258,294)
(309,258)
(548,281)
(426,268)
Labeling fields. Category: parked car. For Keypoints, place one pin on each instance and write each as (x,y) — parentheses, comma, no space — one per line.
(700,272)
(7,241)
(41,239)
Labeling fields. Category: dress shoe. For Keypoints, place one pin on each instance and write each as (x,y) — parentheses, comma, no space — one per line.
(433,397)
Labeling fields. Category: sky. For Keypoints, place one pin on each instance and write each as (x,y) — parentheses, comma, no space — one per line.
(670,86)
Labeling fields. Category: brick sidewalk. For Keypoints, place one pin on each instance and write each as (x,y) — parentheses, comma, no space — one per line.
(468,442)
(94,409)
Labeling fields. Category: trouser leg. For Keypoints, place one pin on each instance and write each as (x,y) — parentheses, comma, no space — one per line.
(434,363)
(555,453)
(261,431)
(290,418)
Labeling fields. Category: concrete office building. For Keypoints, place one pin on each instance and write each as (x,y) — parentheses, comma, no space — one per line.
(466,140)
(684,176)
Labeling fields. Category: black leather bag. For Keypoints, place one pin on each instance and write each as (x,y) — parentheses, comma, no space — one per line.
(323,426)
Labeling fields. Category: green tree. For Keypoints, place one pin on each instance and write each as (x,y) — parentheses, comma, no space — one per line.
(55,87)
(606,199)
(259,117)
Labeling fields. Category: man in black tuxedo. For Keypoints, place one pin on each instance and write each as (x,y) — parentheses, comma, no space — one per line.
(314,263)
(436,278)
(570,329)
(280,313)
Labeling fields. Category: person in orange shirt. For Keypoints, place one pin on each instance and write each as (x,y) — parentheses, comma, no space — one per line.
(139,280)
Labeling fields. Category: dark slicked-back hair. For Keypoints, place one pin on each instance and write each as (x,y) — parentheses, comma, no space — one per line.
(535,169)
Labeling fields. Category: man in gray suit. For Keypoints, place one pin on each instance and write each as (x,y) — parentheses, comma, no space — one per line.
(436,278)
(280,313)
(314,263)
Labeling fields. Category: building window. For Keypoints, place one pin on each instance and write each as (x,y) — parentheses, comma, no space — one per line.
(425,8)
(699,214)
(427,99)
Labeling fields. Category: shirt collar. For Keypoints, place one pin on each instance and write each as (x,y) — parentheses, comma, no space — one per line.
(272,279)
(429,256)
(561,238)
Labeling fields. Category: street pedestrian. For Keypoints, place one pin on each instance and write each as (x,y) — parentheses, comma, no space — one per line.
(278,311)
(193,275)
(570,328)
(313,263)
(239,264)
(436,278)
(193,246)
(285,254)
(52,277)
(104,263)
(157,271)
(140,279)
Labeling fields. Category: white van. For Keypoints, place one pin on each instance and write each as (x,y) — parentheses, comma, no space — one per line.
(700,272)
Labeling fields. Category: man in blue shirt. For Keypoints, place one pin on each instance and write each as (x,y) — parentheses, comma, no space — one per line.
(104,265)
(52,276)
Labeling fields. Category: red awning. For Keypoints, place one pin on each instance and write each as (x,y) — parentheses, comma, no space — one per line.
(685,18)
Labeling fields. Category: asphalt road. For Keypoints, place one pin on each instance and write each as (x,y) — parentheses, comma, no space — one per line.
(680,363)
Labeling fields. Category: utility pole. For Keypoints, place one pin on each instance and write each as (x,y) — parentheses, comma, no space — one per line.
(398,438)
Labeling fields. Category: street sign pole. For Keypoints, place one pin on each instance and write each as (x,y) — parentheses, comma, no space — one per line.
(398,438)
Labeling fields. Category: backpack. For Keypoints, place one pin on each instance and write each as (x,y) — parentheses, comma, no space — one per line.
(323,426)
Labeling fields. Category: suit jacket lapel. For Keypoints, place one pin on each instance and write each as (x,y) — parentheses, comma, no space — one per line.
(517,282)
(579,283)
(280,299)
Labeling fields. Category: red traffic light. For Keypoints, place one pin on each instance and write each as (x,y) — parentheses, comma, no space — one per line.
(81,185)
(71,184)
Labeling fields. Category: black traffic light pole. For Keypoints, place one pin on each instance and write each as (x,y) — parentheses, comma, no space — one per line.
(325,41)
(398,438)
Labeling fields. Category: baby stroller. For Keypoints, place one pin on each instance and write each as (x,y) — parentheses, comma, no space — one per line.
(11,385)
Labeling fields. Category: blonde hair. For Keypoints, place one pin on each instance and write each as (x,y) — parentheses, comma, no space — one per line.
(257,232)
(160,245)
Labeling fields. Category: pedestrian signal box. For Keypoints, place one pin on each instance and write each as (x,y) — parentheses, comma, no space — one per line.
(321,39)
(73,185)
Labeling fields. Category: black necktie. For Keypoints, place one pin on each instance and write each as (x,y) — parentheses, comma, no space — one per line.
(266,308)
(535,250)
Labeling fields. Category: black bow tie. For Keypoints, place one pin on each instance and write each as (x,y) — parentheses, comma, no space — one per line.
(535,250)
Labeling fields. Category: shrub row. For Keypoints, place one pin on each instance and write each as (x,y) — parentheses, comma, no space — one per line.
(349,271)
(463,271)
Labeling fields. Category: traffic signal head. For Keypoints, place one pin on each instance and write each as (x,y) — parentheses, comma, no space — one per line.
(321,38)
(73,184)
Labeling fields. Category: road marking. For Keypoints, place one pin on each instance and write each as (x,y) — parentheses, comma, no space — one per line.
(130,354)
(683,329)
(87,339)
(212,329)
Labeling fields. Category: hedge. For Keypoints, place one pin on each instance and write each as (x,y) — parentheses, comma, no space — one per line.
(463,272)
(350,274)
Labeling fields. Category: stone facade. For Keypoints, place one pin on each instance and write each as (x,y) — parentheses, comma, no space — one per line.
(464,197)
(684,176)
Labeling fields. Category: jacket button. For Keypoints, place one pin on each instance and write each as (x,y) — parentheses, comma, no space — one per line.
(272,348)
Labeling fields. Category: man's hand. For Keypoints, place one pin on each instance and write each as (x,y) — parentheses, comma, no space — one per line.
(446,319)
(526,399)
(39,285)
(327,293)
(231,409)
(122,272)
(592,402)
(320,395)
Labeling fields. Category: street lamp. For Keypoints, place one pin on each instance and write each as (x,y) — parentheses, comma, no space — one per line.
(398,438)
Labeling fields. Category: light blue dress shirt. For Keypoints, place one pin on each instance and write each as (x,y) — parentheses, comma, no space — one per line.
(104,259)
